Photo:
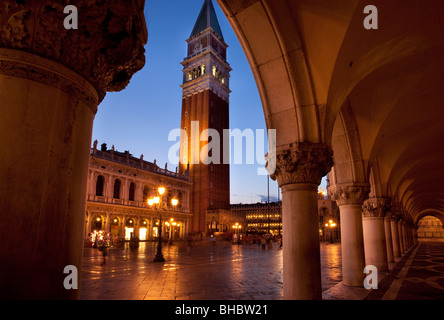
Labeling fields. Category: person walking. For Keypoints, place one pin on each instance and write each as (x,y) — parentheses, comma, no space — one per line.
(104,249)
(263,243)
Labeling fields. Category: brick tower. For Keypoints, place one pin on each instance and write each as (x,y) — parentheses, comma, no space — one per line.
(205,100)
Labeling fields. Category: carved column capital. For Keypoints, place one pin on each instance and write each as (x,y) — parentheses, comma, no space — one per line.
(106,49)
(302,163)
(349,194)
(376,207)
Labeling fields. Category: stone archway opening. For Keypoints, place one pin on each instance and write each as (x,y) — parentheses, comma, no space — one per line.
(430,228)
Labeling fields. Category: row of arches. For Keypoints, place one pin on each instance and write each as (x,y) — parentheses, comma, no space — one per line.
(126,227)
(132,189)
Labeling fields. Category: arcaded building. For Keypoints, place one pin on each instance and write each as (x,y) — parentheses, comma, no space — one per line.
(118,188)
(266,217)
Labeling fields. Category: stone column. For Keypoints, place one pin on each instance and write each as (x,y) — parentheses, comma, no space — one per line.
(374,211)
(401,243)
(51,82)
(350,199)
(388,238)
(395,236)
(299,170)
(404,242)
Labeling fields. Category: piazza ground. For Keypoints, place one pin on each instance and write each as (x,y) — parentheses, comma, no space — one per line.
(246,272)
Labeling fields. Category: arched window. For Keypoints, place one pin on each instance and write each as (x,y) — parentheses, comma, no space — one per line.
(132,189)
(146,193)
(116,194)
(99,186)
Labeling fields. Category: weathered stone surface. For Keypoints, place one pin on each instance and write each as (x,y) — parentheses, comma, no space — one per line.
(106,49)
(303,163)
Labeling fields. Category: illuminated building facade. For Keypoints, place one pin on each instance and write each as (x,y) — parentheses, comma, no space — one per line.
(266,218)
(119,186)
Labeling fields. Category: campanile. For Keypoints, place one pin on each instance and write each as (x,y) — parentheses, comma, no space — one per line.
(205,111)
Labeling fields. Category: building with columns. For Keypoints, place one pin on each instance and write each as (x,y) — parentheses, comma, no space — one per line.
(119,186)
(266,218)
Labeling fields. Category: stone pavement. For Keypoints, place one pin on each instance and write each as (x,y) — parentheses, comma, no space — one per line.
(221,272)
(245,272)
(418,276)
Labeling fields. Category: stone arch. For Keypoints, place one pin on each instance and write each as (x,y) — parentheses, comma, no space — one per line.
(291,72)
(434,213)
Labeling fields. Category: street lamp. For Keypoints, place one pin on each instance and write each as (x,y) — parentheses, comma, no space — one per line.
(331,225)
(159,205)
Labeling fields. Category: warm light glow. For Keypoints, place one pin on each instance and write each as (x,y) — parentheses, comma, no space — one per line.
(174,202)
(150,202)
(98,219)
(330,221)
(326,224)
(161,190)
(156,199)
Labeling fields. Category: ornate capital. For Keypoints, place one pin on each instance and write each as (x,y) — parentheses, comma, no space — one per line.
(376,207)
(106,49)
(349,194)
(302,163)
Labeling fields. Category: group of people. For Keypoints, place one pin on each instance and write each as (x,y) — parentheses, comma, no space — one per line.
(265,241)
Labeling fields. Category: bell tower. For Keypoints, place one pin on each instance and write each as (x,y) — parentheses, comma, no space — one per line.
(205,114)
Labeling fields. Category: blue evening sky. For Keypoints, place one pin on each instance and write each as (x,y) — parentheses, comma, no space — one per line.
(140,117)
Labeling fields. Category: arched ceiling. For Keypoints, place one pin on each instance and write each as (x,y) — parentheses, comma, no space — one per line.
(313,60)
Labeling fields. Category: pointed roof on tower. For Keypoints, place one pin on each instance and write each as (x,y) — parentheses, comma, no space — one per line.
(207,18)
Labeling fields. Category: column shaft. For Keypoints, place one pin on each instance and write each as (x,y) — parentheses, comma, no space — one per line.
(388,239)
(395,239)
(301,256)
(352,245)
(374,242)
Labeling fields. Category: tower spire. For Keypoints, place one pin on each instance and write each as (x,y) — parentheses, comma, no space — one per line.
(207,19)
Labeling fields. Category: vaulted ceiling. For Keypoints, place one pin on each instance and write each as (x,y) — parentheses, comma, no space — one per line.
(376,96)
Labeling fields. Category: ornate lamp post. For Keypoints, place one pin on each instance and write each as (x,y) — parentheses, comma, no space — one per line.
(159,205)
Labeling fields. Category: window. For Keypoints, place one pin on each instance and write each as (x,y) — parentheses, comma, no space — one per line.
(146,193)
(99,186)
(132,189)
(116,194)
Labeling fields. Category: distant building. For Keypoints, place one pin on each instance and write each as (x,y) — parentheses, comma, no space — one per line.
(117,191)
(430,229)
(266,218)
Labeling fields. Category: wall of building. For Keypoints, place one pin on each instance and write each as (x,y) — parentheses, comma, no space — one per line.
(430,229)
(120,205)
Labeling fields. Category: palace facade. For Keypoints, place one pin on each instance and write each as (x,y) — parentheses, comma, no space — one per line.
(119,186)
(266,218)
